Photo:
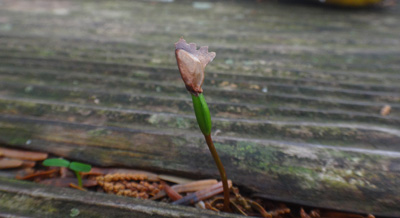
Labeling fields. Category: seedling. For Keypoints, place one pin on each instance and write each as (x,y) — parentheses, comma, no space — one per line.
(191,63)
(77,167)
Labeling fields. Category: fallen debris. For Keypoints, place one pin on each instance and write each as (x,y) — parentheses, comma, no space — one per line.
(47,173)
(6,163)
(202,194)
(386,110)
(65,182)
(132,185)
(23,155)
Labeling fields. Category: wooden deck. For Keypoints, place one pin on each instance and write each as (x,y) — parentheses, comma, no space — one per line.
(295,93)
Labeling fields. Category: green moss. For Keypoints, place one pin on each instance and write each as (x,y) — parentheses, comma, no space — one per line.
(248,155)
(25,204)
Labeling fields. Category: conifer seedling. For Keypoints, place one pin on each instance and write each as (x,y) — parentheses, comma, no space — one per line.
(191,63)
(77,167)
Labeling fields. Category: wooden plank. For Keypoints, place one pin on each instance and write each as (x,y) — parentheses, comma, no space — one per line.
(26,199)
(312,107)
(302,131)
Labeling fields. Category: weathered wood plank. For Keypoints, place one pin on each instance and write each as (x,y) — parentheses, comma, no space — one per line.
(147,80)
(300,131)
(353,81)
(141,99)
(26,199)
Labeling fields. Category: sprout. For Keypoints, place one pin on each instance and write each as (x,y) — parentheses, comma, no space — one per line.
(191,64)
(74,166)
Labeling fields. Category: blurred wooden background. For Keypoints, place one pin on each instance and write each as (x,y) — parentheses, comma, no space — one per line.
(295,92)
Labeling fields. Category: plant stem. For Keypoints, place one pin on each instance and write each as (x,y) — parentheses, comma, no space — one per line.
(221,171)
(78,176)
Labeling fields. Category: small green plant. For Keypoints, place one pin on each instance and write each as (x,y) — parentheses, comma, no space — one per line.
(77,167)
(191,63)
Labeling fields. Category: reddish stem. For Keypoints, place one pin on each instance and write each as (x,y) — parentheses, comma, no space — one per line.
(221,169)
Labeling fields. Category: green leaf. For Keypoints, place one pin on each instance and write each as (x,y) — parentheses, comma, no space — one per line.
(202,113)
(80,167)
(56,162)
